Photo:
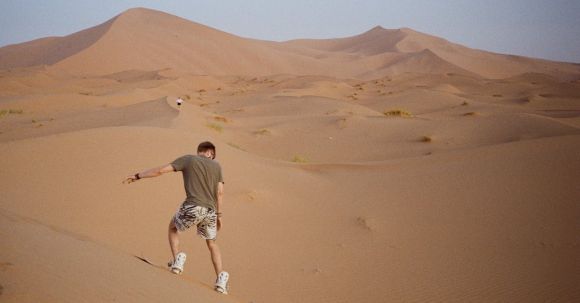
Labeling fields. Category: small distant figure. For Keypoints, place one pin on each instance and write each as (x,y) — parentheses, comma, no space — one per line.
(179,101)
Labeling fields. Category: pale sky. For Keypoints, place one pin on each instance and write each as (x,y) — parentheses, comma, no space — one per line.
(535,28)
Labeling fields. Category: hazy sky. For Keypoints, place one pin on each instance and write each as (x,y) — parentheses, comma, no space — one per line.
(536,28)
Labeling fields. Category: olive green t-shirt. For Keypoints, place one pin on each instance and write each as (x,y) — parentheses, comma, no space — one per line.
(201,176)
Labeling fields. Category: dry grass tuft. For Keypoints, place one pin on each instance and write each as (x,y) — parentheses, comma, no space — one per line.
(426,139)
(262,131)
(215,127)
(221,119)
(5,112)
(299,159)
(398,113)
(235,146)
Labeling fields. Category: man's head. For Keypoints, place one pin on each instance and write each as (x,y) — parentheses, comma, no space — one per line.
(206,149)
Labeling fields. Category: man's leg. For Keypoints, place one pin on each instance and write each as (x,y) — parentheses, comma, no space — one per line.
(216,256)
(173,236)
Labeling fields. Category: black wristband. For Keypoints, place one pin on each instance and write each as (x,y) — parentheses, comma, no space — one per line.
(137,176)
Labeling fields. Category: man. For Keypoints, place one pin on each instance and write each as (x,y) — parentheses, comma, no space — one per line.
(204,187)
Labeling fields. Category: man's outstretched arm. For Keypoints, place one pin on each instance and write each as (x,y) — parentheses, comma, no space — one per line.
(150,173)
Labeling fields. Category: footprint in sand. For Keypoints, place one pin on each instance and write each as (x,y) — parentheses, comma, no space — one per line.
(366,223)
(342,122)
(5,265)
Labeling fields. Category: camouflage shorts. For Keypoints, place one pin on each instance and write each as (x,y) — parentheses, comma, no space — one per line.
(204,218)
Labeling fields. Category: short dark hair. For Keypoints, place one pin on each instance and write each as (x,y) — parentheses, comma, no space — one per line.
(205,146)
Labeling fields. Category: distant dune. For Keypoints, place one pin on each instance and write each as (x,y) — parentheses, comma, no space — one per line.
(151,40)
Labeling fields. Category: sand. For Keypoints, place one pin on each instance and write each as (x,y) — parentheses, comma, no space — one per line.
(392,166)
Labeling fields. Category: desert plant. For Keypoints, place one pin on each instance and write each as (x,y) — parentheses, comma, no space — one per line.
(398,113)
(235,146)
(215,127)
(299,159)
(5,112)
(426,139)
(221,119)
(471,114)
(262,131)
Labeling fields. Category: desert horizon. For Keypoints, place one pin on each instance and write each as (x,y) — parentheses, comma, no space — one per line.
(388,166)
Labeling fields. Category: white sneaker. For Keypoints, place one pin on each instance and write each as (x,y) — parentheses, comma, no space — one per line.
(177,266)
(221,284)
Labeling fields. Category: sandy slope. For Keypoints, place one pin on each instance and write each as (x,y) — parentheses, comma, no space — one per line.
(506,223)
(472,197)
(45,264)
(487,223)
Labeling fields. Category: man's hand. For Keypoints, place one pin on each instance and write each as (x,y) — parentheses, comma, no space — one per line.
(130,179)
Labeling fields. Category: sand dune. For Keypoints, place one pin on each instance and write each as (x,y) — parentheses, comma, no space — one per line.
(166,41)
(48,51)
(31,244)
(391,166)
(405,222)
(379,40)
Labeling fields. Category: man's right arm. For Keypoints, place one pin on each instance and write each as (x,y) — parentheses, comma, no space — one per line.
(150,173)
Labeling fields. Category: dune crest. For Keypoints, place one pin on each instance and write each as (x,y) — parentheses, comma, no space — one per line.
(146,39)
